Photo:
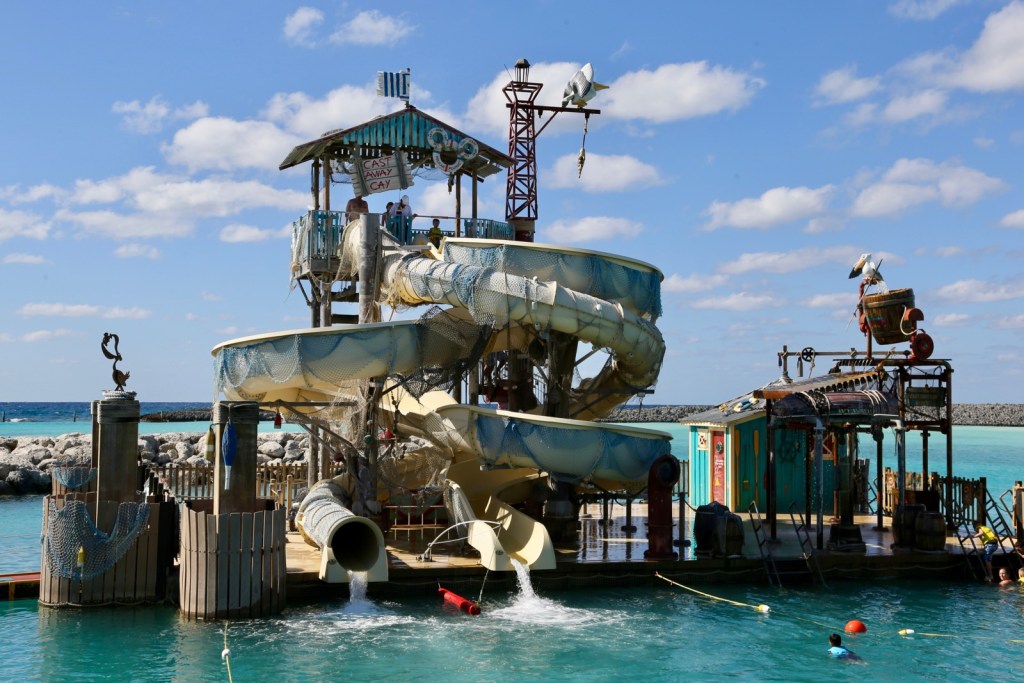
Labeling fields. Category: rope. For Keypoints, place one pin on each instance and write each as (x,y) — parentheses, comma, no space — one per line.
(225,654)
(763,609)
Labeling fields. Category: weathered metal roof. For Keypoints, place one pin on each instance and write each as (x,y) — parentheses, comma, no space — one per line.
(406,130)
(752,404)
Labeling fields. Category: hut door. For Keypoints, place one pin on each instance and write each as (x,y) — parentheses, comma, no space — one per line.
(718,467)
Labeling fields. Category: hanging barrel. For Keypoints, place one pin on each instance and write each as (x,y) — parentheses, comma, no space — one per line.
(884,313)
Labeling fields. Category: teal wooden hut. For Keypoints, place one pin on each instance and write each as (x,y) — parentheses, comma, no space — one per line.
(729,449)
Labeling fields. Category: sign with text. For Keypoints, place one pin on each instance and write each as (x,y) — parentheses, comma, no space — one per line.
(370,176)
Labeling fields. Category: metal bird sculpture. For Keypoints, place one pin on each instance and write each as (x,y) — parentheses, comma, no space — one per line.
(581,88)
(120,377)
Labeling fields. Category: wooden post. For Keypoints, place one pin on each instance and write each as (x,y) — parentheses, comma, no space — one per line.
(458,202)
(116,421)
(241,496)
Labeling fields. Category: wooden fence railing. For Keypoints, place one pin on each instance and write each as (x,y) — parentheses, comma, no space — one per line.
(278,480)
(968,495)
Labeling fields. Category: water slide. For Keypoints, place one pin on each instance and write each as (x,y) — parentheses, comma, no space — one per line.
(501,288)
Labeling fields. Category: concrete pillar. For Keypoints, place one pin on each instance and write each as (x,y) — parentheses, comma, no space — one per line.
(241,496)
(116,448)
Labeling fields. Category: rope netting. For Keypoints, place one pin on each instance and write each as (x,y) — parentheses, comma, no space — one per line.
(75,549)
(73,476)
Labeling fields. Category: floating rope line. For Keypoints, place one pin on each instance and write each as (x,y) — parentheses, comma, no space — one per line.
(225,654)
(763,609)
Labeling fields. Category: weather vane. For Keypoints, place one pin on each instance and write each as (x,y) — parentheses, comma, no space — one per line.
(120,376)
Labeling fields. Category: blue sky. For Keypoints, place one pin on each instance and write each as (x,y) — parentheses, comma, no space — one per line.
(751,151)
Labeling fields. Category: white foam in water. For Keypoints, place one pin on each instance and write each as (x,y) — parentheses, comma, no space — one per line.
(529,608)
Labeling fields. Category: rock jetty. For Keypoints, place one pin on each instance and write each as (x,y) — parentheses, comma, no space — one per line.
(976,414)
(25,462)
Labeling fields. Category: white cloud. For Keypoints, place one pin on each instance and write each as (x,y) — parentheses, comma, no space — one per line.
(343,107)
(591,229)
(166,205)
(777,205)
(22,224)
(150,117)
(692,283)
(58,310)
(126,313)
(924,103)
(983,142)
(910,182)
(14,195)
(673,92)
(949,252)
(846,300)
(211,296)
(299,25)
(26,259)
(996,60)
(1010,322)
(921,10)
(782,262)
(1013,220)
(137,251)
(126,226)
(370,27)
(952,320)
(979,291)
(602,173)
(45,335)
(741,301)
(842,85)
(235,233)
(225,144)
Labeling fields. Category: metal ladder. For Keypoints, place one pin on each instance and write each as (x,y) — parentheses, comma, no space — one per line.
(807,549)
(762,545)
(995,520)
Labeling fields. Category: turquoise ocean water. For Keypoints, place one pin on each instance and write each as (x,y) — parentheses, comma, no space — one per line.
(964,631)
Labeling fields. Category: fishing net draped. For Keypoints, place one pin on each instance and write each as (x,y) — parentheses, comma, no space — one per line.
(72,536)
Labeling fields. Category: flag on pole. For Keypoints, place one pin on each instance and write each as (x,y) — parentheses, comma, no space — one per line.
(393,84)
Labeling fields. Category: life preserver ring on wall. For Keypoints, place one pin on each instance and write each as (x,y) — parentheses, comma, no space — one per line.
(441,142)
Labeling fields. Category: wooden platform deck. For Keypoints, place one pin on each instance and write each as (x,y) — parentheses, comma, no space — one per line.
(606,554)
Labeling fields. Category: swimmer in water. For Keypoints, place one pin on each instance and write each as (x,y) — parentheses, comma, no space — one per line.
(837,649)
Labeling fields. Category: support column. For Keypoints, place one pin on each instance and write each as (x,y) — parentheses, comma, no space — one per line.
(116,425)
(819,470)
(238,495)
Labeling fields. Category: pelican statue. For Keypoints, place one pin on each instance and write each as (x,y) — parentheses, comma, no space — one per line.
(581,88)
(866,267)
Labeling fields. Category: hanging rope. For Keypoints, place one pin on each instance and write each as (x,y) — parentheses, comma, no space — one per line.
(582,158)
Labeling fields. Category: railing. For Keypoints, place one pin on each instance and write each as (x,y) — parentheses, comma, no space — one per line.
(968,495)
(489,229)
(278,480)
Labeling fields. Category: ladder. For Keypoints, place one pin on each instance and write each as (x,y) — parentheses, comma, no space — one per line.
(807,549)
(762,545)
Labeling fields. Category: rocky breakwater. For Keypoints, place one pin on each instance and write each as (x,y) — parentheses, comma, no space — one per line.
(26,462)
(974,414)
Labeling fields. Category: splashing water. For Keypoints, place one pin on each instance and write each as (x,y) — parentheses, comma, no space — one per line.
(526,591)
(357,583)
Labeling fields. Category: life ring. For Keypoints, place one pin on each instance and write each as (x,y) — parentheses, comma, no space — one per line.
(441,142)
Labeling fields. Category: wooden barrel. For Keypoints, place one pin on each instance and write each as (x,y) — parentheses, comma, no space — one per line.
(930,531)
(884,313)
(728,539)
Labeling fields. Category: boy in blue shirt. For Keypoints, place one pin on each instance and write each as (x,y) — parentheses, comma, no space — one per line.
(837,649)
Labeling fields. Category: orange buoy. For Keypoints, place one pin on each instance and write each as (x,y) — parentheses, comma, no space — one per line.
(459,602)
(856,626)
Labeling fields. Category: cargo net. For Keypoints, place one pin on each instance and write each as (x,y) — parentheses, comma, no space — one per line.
(75,549)
(413,466)
(72,476)
(636,290)
(444,332)
(568,455)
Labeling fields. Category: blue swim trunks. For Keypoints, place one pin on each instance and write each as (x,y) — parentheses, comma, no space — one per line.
(989,550)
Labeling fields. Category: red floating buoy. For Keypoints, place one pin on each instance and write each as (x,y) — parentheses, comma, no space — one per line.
(856,626)
(461,603)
